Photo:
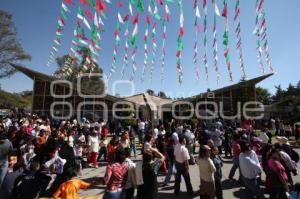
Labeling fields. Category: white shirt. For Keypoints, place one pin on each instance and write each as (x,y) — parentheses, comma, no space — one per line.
(141,125)
(216,137)
(292,165)
(94,143)
(155,133)
(264,138)
(175,138)
(249,165)
(147,148)
(181,153)
(131,176)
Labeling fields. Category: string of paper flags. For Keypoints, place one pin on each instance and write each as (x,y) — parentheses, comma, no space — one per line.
(91,22)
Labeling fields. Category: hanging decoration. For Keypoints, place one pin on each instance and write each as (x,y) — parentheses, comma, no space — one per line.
(180,42)
(257,33)
(164,41)
(125,59)
(75,41)
(265,44)
(91,15)
(239,38)
(205,39)
(154,50)
(263,33)
(226,39)
(197,31)
(133,42)
(64,11)
(68,1)
(145,48)
(116,45)
(215,44)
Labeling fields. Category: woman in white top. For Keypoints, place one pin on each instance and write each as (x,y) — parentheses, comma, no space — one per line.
(94,149)
(207,171)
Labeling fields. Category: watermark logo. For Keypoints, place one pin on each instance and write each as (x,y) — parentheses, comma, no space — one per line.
(123,109)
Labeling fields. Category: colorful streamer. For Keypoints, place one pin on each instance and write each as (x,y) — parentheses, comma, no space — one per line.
(154,50)
(145,48)
(264,39)
(180,43)
(265,45)
(116,45)
(197,31)
(135,22)
(257,33)
(205,39)
(239,38)
(164,41)
(226,39)
(215,43)
(64,11)
(125,59)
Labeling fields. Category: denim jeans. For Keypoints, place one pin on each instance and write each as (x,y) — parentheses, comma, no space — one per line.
(3,171)
(252,189)
(233,169)
(103,151)
(133,146)
(219,191)
(170,172)
(181,170)
(141,136)
(278,193)
(114,195)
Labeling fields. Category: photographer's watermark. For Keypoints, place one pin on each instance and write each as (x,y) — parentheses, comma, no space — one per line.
(123,110)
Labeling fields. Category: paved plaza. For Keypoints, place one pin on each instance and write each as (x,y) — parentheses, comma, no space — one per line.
(230,189)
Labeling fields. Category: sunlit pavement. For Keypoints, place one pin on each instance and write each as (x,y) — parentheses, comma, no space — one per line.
(230,189)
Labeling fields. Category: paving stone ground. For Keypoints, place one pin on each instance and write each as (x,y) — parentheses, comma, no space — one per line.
(230,189)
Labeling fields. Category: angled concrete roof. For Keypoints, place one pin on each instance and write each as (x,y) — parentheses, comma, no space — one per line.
(242,83)
(144,98)
(41,76)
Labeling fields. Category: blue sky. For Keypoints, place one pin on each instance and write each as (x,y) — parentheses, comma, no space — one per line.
(36,23)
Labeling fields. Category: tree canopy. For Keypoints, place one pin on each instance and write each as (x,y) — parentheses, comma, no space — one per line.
(90,84)
(11,50)
(263,95)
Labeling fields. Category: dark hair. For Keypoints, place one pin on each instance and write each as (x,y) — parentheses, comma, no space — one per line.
(277,146)
(202,152)
(120,155)
(70,173)
(148,137)
(34,166)
(127,152)
(244,146)
(181,139)
(147,158)
(113,140)
(236,136)
(273,151)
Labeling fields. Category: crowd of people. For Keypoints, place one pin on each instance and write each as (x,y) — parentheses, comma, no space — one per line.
(44,157)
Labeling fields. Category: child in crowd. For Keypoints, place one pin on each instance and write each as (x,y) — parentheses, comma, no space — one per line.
(103,148)
(218,174)
(70,188)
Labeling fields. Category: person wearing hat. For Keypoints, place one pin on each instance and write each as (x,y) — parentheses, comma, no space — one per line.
(286,147)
